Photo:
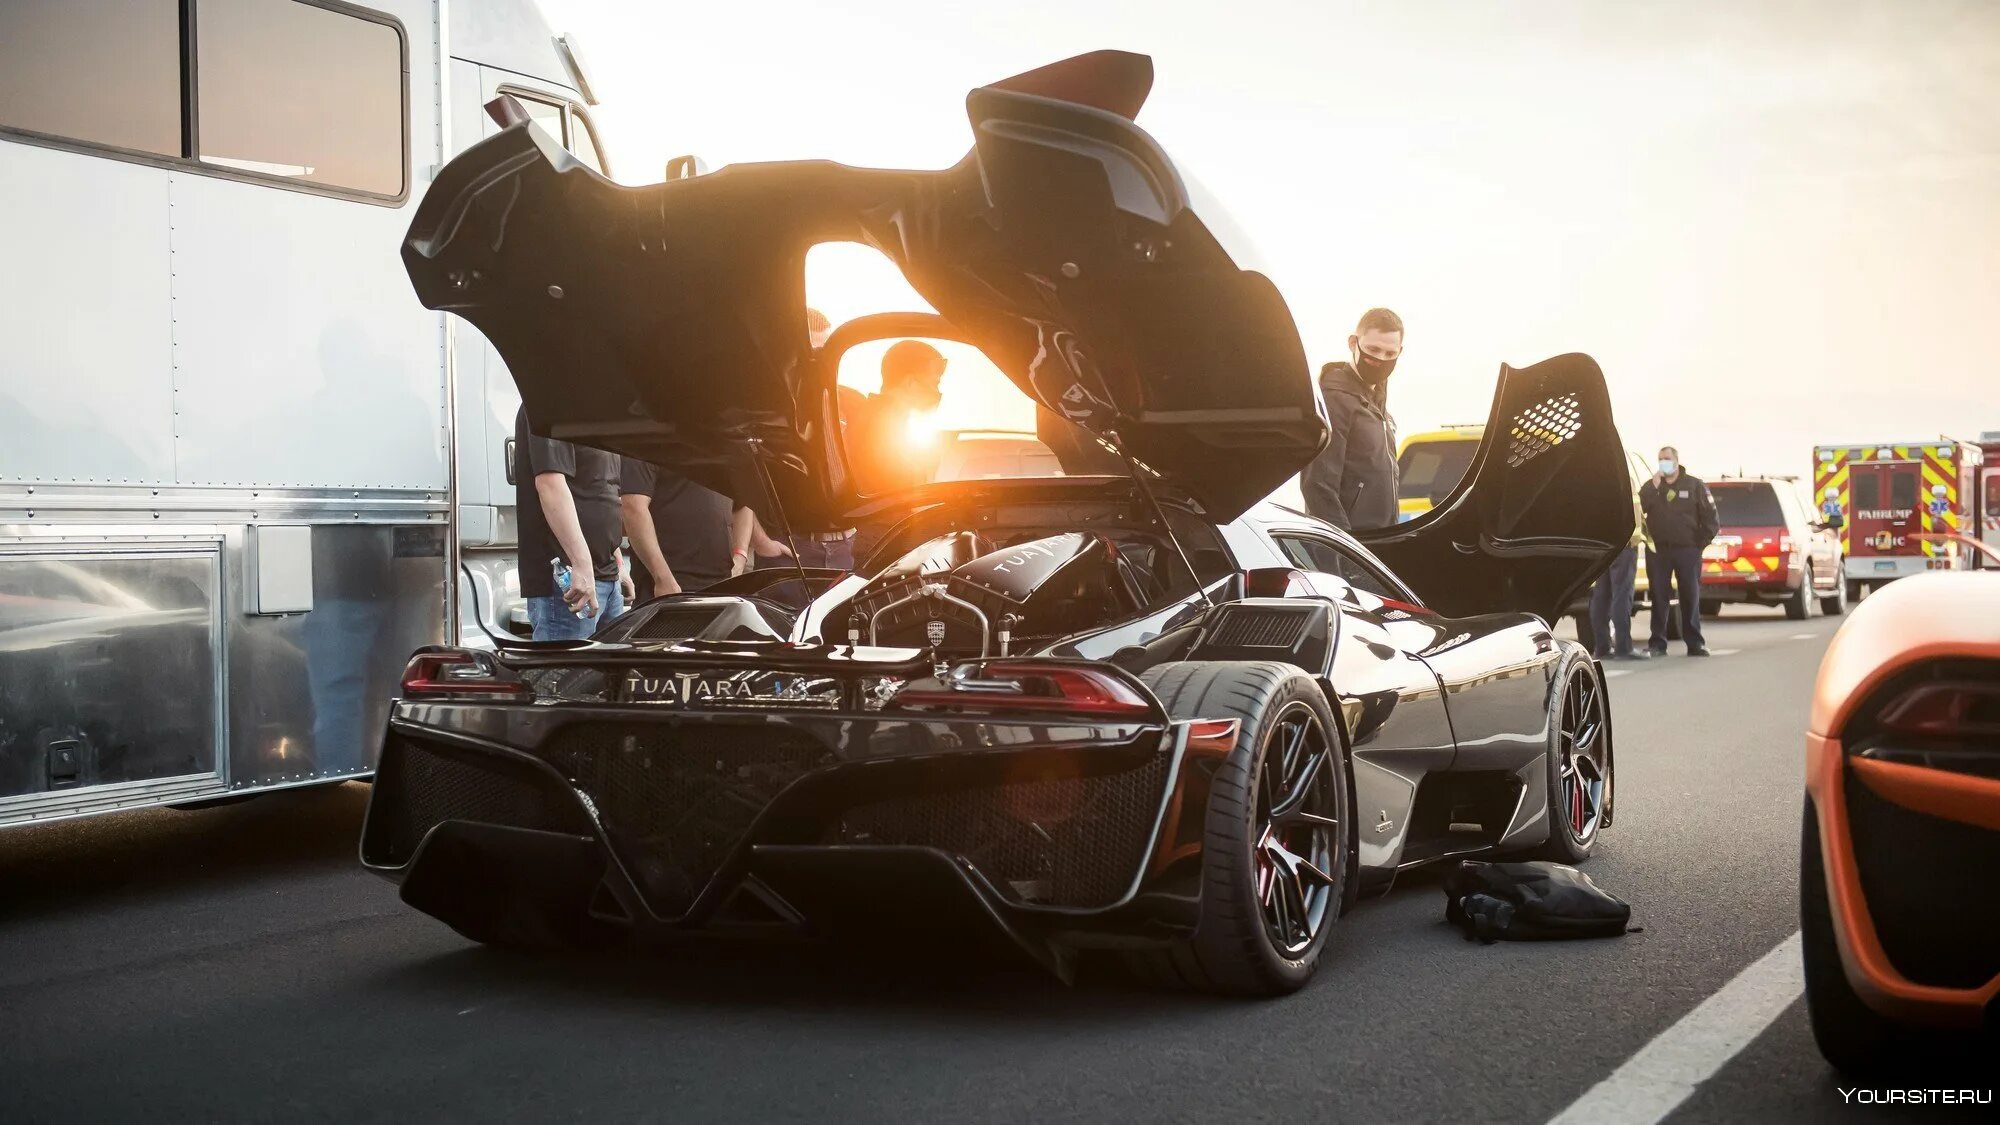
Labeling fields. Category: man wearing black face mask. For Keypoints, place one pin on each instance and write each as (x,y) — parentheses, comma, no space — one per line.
(1352,483)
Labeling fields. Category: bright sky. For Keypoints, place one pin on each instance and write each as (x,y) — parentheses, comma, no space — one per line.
(1773,224)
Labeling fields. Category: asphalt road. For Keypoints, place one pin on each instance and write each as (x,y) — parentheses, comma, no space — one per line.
(235,964)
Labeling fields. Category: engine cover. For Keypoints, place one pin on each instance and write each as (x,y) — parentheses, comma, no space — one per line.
(944,597)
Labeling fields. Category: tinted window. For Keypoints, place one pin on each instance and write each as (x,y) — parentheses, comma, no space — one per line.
(547,116)
(1328,558)
(1431,469)
(1993,494)
(583,141)
(1903,489)
(103,71)
(1867,490)
(288,89)
(1747,505)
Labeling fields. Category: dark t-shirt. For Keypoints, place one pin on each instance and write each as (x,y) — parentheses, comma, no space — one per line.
(691,521)
(593,486)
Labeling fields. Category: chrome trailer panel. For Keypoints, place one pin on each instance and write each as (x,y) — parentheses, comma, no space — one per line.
(111,668)
(240,701)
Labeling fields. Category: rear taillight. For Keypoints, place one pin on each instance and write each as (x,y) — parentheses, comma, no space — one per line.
(1070,689)
(1954,709)
(435,672)
(1785,543)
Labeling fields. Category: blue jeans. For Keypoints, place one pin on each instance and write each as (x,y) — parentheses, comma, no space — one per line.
(1675,568)
(553,621)
(1611,606)
(834,554)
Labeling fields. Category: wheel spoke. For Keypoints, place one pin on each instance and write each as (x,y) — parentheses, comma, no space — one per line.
(1301,816)
(1301,788)
(1280,907)
(1293,742)
(1587,737)
(1294,894)
(1310,870)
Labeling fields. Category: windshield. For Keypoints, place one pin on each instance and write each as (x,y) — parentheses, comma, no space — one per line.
(1429,470)
(1747,505)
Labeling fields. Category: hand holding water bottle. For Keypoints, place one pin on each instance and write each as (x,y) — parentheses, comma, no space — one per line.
(580,597)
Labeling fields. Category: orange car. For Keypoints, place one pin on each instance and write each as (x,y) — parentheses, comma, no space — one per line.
(1900,919)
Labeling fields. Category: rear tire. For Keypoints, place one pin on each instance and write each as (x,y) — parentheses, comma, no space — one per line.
(1711,610)
(1856,590)
(1579,764)
(1835,604)
(1799,605)
(1284,787)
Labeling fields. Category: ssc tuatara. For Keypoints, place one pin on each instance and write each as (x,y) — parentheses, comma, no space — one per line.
(1144,713)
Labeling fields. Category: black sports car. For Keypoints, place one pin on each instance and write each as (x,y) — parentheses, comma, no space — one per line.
(1144,713)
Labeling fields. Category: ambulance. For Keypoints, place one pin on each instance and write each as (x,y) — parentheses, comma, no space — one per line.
(1898,503)
(1989,493)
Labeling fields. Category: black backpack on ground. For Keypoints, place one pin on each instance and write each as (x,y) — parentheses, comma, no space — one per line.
(1538,901)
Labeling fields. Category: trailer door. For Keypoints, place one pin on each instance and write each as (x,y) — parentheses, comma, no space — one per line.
(1886,502)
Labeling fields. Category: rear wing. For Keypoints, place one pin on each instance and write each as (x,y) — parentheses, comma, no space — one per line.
(1544,509)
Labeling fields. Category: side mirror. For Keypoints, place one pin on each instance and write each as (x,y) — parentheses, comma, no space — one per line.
(685,167)
(1833,522)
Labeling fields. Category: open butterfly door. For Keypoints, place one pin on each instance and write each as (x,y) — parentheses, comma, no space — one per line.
(1544,509)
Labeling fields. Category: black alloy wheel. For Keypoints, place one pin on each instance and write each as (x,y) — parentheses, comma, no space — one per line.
(1579,764)
(1278,843)
(1299,844)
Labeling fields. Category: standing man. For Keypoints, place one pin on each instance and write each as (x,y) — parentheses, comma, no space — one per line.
(1352,483)
(680,531)
(1680,516)
(1611,597)
(567,502)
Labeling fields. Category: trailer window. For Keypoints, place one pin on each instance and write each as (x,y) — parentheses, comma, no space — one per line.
(583,140)
(107,72)
(299,91)
(565,123)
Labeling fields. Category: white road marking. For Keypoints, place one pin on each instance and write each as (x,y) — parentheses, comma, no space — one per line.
(1610,672)
(1660,1077)
(1804,636)
(1724,651)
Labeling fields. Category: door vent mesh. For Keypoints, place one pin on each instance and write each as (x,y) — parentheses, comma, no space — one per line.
(1542,427)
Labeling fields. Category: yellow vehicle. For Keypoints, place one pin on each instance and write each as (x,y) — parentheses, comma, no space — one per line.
(1430,464)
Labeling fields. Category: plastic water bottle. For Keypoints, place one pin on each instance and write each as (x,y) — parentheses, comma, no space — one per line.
(565,576)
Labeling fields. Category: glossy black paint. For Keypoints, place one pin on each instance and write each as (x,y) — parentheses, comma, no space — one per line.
(664,321)
(1445,719)
(1541,513)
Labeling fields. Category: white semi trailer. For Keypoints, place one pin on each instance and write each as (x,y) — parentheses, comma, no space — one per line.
(239,464)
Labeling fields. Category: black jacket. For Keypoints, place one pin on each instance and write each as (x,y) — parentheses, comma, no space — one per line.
(1680,513)
(1352,483)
